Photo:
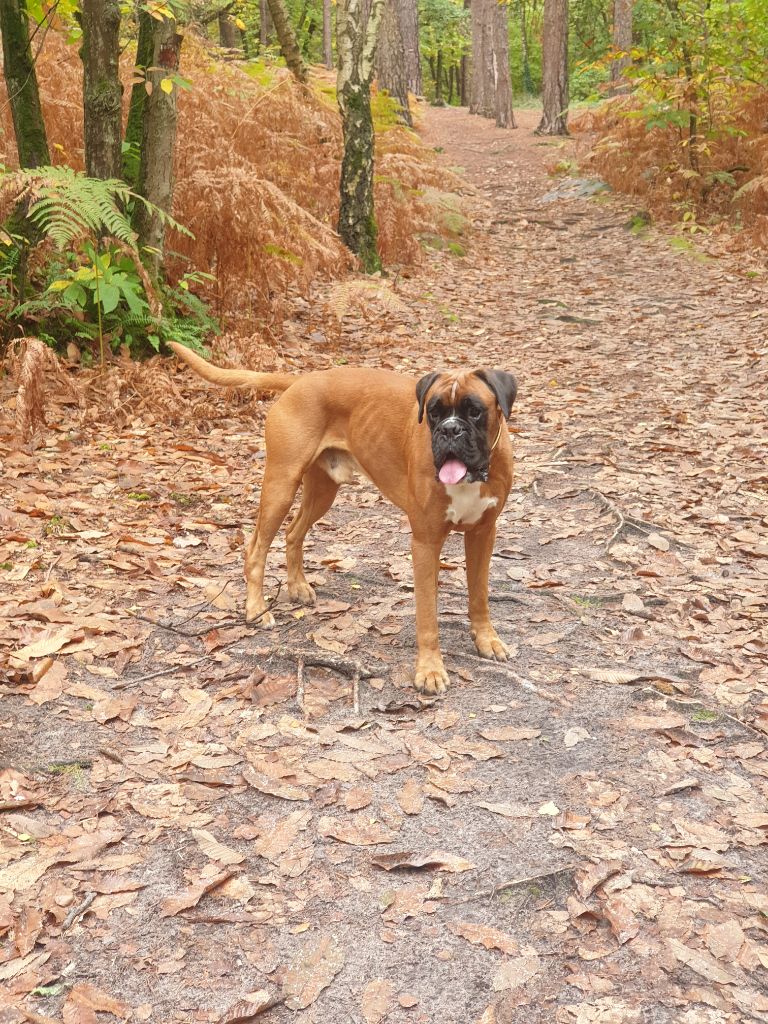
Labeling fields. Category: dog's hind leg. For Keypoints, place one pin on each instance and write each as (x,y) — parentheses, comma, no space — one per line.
(277,493)
(317,496)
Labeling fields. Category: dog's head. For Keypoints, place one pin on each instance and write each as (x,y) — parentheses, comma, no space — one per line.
(462,410)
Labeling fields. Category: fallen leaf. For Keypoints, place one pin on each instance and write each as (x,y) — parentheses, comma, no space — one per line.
(214,850)
(311,971)
(438,860)
(377,1000)
(623,922)
(484,935)
(411,797)
(361,832)
(249,1008)
(551,809)
(510,733)
(613,676)
(273,787)
(357,798)
(658,723)
(95,999)
(702,963)
(657,541)
(725,940)
(192,894)
(575,736)
(516,972)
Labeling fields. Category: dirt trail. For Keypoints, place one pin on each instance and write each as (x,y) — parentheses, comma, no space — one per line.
(607,789)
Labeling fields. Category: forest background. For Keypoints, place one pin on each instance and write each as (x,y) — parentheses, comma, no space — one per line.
(172,168)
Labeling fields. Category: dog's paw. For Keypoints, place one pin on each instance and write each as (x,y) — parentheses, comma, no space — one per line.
(301,592)
(259,616)
(490,645)
(431,677)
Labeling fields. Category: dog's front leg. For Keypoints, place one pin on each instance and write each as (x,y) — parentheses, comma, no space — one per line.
(431,676)
(478,548)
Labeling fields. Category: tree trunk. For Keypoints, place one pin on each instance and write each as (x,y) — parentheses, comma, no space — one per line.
(21,85)
(526,54)
(135,126)
(158,141)
(501,78)
(102,91)
(227,30)
(439,80)
(327,35)
(491,92)
(622,41)
(451,72)
(287,39)
(409,30)
(356,46)
(391,70)
(554,69)
(464,81)
(265,24)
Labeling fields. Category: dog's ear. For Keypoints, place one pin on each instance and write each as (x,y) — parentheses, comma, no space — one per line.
(422,388)
(503,385)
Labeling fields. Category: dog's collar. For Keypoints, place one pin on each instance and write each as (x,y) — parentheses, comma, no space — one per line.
(498,436)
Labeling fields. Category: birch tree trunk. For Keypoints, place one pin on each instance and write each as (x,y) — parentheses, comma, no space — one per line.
(356,31)
(622,41)
(289,47)
(158,140)
(21,84)
(102,90)
(327,35)
(554,69)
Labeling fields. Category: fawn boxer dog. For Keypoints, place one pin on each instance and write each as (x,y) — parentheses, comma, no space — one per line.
(438,448)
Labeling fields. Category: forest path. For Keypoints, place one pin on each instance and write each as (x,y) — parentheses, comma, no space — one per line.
(605,792)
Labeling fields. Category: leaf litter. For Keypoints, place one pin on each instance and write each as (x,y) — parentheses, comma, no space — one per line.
(169,785)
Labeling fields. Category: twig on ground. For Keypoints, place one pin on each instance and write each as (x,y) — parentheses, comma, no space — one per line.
(499,666)
(706,707)
(624,521)
(356,693)
(51,567)
(346,666)
(300,685)
(77,911)
(17,805)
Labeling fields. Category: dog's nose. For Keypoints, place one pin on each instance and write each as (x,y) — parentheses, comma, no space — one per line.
(453,427)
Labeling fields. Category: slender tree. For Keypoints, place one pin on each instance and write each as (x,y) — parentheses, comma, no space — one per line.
(505,118)
(409,31)
(554,69)
(622,42)
(327,35)
(228,35)
(357,24)
(134,128)
(391,63)
(158,139)
(289,47)
(21,85)
(102,90)
(266,27)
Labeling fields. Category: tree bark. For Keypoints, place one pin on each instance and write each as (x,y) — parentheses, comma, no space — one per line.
(622,41)
(287,39)
(356,32)
(491,90)
(265,24)
(554,69)
(391,70)
(102,90)
(135,125)
(227,30)
(158,141)
(409,30)
(526,53)
(505,118)
(21,84)
(327,35)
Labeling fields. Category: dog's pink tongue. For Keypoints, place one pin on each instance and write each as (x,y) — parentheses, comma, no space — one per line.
(452,471)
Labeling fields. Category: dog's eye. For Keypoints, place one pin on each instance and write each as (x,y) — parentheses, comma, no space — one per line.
(475,414)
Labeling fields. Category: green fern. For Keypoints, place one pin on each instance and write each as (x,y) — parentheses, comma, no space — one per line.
(67,205)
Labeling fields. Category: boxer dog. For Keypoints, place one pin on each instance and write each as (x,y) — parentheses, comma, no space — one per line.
(438,448)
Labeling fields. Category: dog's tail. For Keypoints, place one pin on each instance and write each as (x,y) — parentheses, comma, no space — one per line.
(233,378)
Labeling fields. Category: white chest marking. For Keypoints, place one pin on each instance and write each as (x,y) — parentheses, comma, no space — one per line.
(466,503)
